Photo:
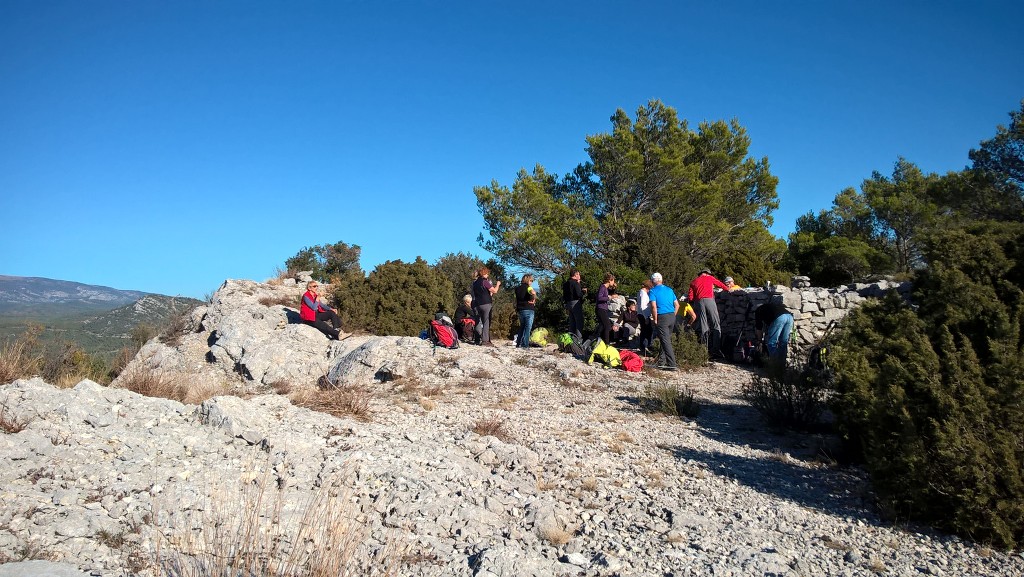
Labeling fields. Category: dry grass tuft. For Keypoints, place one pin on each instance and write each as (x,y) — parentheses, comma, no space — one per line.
(9,422)
(427,404)
(480,373)
(781,457)
(876,565)
(555,534)
(491,426)
(178,326)
(289,301)
(282,387)
(655,478)
(834,544)
(589,484)
(153,383)
(252,526)
(544,484)
(343,402)
(16,360)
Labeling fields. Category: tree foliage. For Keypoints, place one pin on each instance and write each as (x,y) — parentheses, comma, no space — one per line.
(653,191)
(931,395)
(396,298)
(326,260)
(874,231)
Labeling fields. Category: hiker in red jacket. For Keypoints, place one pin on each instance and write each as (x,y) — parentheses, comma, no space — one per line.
(702,296)
(315,313)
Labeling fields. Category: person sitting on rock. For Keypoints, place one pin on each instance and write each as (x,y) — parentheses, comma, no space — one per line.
(314,312)
(626,327)
(465,321)
(731,285)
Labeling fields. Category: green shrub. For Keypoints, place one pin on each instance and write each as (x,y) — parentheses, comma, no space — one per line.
(688,348)
(940,427)
(668,399)
(789,396)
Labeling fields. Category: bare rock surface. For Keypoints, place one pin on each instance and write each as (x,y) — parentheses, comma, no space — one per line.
(476,461)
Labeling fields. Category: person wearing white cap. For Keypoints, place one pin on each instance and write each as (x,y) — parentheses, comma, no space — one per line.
(664,308)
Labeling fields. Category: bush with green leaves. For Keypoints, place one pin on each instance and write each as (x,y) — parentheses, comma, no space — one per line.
(668,399)
(690,352)
(397,298)
(933,398)
(791,396)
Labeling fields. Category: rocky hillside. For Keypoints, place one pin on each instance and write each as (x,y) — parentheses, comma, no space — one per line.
(28,294)
(153,310)
(477,461)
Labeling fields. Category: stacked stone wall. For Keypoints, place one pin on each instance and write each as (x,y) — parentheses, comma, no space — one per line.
(813,308)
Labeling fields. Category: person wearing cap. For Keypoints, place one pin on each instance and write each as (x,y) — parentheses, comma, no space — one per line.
(730,285)
(774,323)
(664,308)
(702,297)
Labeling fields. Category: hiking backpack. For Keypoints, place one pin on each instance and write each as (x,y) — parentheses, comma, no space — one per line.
(441,332)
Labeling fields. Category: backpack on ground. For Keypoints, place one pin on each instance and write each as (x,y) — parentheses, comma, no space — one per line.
(468,329)
(564,340)
(631,361)
(539,337)
(441,332)
(605,354)
(581,349)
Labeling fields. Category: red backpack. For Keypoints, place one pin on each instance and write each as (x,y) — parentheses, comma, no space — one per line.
(443,334)
(631,361)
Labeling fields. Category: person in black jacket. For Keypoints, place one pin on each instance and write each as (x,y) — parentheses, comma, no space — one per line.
(483,295)
(572,295)
(465,320)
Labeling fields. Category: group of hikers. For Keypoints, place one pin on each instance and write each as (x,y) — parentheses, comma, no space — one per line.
(630,323)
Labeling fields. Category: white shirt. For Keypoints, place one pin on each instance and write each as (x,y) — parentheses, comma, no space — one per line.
(643,303)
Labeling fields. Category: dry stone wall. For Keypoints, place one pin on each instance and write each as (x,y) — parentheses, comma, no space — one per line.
(813,308)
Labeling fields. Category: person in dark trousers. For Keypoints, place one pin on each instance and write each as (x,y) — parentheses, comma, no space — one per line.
(773,322)
(664,308)
(604,318)
(483,293)
(643,299)
(316,313)
(702,297)
(572,295)
(526,304)
(465,321)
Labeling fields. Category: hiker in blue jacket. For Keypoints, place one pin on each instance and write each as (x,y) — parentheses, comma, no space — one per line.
(664,308)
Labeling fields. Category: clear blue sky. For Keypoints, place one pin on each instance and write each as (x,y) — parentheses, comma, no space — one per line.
(167,146)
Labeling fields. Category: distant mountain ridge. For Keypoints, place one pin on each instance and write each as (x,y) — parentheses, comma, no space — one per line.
(20,294)
(98,318)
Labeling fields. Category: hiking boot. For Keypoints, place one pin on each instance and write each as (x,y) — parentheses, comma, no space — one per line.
(666,368)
